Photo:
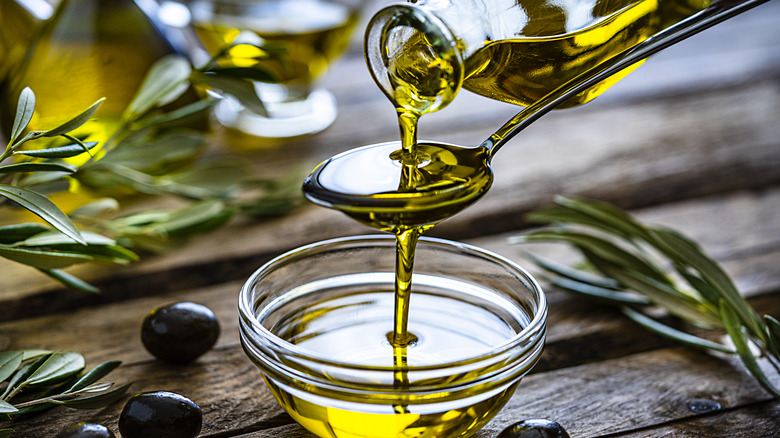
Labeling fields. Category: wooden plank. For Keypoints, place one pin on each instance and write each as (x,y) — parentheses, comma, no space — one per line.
(621,396)
(740,230)
(628,393)
(761,420)
(608,396)
(225,385)
(739,151)
(740,52)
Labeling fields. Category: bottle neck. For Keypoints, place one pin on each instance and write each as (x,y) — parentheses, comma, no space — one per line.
(408,46)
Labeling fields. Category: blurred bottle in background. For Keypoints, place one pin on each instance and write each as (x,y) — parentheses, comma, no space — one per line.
(86,51)
(307,35)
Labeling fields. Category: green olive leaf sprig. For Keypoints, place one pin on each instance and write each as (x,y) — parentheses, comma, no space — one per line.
(29,199)
(153,154)
(45,379)
(635,266)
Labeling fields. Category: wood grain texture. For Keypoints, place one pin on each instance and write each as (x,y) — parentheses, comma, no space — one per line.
(629,169)
(697,119)
(691,140)
(587,344)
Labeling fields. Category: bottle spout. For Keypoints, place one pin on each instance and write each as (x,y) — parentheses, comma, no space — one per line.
(414,58)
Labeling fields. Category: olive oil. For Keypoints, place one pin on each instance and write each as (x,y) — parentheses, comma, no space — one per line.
(382,187)
(309,34)
(349,326)
(408,187)
(562,40)
(373,185)
(18,25)
(515,51)
(448,421)
(88,50)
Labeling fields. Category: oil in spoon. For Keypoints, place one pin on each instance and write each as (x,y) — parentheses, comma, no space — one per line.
(408,187)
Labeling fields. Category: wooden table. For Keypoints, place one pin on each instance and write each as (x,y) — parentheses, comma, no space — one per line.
(690,140)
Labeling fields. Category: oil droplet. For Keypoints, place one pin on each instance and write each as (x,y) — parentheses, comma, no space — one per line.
(703,406)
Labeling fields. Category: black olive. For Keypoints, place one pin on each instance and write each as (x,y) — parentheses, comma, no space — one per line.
(160,415)
(534,429)
(86,430)
(179,333)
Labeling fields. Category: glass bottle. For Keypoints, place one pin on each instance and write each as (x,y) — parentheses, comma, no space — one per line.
(17,25)
(510,50)
(88,50)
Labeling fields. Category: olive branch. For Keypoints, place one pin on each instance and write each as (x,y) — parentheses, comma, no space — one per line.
(49,379)
(152,153)
(637,267)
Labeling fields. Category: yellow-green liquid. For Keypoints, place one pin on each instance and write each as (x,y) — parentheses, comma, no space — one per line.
(408,188)
(552,42)
(89,50)
(309,35)
(18,26)
(349,325)
(448,422)
(561,41)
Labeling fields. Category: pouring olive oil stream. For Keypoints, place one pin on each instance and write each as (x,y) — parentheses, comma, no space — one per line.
(407,187)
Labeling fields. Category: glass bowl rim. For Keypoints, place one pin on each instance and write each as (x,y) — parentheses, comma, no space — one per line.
(535,328)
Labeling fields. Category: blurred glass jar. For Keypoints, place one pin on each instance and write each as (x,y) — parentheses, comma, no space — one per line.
(19,20)
(86,51)
(306,35)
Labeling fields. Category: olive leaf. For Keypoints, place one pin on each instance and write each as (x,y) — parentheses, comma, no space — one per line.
(43,258)
(95,374)
(220,177)
(773,332)
(57,368)
(50,250)
(21,375)
(24,112)
(76,121)
(53,379)
(154,156)
(682,249)
(171,117)
(42,207)
(16,232)
(7,408)
(96,208)
(199,216)
(104,397)
(38,167)
(664,267)
(678,335)
(9,362)
(599,215)
(241,89)
(741,343)
(32,354)
(66,151)
(50,237)
(69,280)
(601,248)
(164,83)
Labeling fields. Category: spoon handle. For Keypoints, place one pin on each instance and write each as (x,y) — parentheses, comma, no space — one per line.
(719,11)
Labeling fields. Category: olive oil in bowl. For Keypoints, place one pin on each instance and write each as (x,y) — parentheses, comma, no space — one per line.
(316,322)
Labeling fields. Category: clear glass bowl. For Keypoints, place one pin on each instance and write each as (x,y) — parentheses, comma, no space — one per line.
(315,322)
